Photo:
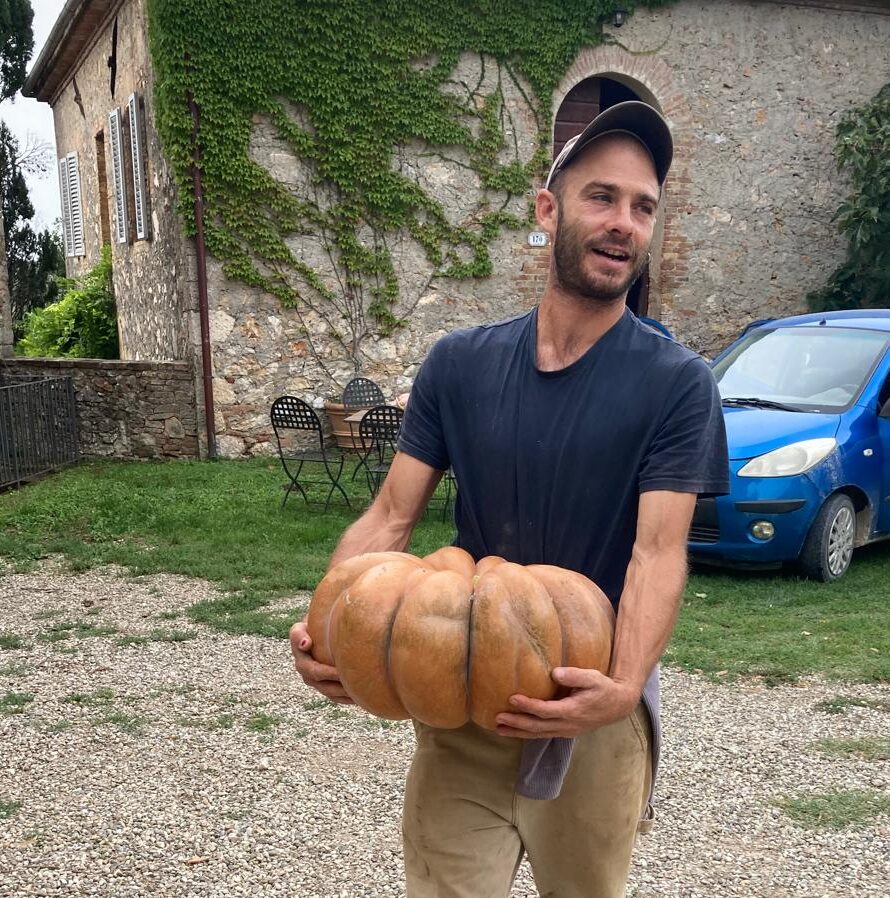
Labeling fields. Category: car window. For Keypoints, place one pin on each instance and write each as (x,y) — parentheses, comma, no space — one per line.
(811,368)
(884,395)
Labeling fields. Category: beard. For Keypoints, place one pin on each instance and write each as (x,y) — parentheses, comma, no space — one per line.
(570,249)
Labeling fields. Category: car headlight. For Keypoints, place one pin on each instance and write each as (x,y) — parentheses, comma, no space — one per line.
(789,460)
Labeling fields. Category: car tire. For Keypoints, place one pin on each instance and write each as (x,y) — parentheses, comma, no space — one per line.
(828,548)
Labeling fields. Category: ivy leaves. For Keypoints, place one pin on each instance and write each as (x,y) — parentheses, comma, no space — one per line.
(365,78)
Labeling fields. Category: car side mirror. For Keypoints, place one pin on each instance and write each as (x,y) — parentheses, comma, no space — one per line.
(884,411)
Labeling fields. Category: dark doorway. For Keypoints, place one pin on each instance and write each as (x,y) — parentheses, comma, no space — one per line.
(638,295)
(583,103)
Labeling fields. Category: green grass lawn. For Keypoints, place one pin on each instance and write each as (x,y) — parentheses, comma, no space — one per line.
(222,521)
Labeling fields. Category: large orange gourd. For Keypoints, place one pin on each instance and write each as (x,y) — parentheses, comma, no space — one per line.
(445,640)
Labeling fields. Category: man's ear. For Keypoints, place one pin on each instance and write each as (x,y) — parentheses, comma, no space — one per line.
(547,212)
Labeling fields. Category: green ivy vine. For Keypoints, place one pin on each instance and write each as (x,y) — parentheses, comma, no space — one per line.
(344,83)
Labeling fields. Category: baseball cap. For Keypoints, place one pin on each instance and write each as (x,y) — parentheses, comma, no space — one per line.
(632,117)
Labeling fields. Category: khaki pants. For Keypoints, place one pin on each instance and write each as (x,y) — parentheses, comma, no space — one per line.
(465,829)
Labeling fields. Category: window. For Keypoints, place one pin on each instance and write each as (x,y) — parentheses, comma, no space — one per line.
(104,217)
(808,368)
(884,399)
(121,229)
(137,154)
(72,209)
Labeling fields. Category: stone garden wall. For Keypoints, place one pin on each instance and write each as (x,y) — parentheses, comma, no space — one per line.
(126,409)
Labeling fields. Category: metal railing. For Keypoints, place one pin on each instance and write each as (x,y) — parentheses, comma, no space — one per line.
(38,427)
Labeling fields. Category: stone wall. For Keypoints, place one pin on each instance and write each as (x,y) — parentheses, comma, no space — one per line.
(127,409)
(753,92)
(150,276)
(262,350)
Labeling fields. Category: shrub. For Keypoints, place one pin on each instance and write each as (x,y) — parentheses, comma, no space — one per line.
(82,324)
(863,150)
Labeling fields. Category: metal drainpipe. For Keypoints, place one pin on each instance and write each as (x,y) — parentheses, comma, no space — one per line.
(209,417)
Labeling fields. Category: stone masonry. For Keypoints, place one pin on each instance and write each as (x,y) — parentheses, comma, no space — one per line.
(149,275)
(753,91)
(126,409)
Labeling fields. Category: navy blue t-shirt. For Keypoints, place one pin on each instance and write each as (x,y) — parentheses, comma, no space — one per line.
(550,464)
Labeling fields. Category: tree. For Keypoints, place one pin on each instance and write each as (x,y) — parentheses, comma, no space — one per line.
(82,324)
(863,151)
(40,279)
(35,263)
(16,44)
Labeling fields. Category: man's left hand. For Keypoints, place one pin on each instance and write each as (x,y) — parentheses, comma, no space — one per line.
(595,701)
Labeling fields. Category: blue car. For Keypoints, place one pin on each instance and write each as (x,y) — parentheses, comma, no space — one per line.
(806,401)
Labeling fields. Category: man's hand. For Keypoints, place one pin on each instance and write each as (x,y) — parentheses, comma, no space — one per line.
(320,677)
(595,701)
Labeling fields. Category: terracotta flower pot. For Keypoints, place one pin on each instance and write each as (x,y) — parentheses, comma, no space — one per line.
(346,437)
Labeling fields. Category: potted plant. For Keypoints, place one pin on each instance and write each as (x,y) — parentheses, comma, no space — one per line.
(346,436)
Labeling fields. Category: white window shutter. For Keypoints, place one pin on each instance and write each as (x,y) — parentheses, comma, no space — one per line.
(137,151)
(65,193)
(117,170)
(75,207)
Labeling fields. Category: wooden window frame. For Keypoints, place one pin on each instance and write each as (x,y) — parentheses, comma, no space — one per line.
(118,176)
(72,206)
(141,206)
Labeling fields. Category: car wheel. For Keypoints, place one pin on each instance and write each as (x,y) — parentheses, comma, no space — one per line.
(828,549)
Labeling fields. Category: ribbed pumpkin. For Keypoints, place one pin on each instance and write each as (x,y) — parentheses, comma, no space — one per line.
(445,640)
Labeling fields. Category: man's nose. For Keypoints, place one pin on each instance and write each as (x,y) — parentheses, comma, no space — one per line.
(620,218)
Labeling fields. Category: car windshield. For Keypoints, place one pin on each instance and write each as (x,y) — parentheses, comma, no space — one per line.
(801,368)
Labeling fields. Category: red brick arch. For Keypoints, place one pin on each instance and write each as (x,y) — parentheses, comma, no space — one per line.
(653,81)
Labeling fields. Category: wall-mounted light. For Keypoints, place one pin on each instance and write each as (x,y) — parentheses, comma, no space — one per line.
(619,17)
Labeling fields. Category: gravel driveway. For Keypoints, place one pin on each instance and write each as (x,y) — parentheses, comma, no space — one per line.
(162,758)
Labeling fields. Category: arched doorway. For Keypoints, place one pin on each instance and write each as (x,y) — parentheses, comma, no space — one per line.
(582,103)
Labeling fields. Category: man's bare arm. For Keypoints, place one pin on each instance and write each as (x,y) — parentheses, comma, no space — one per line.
(650,601)
(386,526)
(653,587)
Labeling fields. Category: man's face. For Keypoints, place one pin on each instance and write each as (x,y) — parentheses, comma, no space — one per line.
(607,200)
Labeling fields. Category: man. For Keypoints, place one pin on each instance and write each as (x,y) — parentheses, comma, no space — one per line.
(578,437)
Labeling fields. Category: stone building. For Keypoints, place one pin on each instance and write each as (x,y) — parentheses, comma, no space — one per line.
(753,90)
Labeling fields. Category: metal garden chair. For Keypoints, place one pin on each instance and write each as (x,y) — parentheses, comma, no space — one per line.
(379,432)
(450,487)
(290,415)
(361,392)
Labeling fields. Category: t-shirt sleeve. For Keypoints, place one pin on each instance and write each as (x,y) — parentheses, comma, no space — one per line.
(688,453)
(422,432)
